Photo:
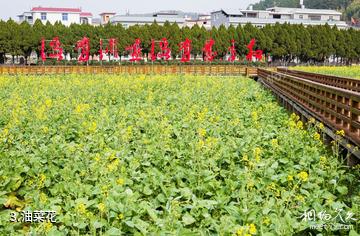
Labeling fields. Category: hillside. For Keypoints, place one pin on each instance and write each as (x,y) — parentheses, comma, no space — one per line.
(350,8)
(353,11)
(316,4)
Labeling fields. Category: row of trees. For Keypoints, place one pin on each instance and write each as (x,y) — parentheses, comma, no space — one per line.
(285,43)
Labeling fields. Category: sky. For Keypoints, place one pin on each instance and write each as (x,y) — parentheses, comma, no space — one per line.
(12,8)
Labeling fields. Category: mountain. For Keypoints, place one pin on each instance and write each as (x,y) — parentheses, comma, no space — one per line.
(353,11)
(350,8)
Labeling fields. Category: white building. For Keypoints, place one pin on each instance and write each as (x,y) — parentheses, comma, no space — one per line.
(105,17)
(278,15)
(143,19)
(202,20)
(66,16)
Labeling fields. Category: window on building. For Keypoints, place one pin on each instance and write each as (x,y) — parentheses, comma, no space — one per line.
(65,17)
(301,17)
(315,17)
(84,21)
(43,16)
(252,15)
(276,16)
(331,17)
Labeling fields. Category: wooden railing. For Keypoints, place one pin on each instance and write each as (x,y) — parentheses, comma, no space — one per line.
(337,107)
(335,81)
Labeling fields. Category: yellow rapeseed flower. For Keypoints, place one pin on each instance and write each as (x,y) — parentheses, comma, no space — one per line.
(340,133)
(303,176)
(42,179)
(252,229)
(266,221)
(300,198)
(254,116)
(81,208)
(317,136)
(120,216)
(97,157)
(47,226)
(43,198)
(299,125)
(113,165)
(202,132)
(290,178)
(274,143)
(48,102)
(80,108)
(120,181)
(45,129)
(240,232)
(210,142)
(257,154)
(92,127)
(5,132)
(200,144)
(101,206)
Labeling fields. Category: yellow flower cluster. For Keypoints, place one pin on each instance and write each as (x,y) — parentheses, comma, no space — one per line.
(323,161)
(299,125)
(43,198)
(340,133)
(42,179)
(208,143)
(303,176)
(266,221)
(47,226)
(300,198)
(317,136)
(248,230)
(202,132)
(120,181)
(113,165)
(273,188)
(290,178)
(254,116)
(101,206)
(80,108)
(81,208)
(275,143)
(120,216)
(257,154)
(201,115)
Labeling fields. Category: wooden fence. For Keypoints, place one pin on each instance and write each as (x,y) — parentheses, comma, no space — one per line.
(339,108)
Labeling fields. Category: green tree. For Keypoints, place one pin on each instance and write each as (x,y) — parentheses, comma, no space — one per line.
(13,38)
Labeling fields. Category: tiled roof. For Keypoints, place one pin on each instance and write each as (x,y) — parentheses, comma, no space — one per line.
(55,9)
(84,14)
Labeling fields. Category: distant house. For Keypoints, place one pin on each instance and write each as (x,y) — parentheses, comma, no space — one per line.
(277,15)
(202,21)
(143,19)
(105,17)
(66,16)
